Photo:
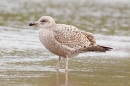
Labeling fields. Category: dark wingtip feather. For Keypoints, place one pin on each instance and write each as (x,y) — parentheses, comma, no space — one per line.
(98,48)
(107,48)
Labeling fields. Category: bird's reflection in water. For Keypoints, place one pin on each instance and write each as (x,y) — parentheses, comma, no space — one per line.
(66,78)
(58,78)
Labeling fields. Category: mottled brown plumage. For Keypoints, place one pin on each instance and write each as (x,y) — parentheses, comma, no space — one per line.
(66,40)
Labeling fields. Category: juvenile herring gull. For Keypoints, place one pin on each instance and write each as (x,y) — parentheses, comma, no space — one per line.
(66,40)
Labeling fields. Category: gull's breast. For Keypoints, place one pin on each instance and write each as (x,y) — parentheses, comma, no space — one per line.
(47,39)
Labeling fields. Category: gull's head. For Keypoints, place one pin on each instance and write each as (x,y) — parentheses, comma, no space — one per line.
(44,21)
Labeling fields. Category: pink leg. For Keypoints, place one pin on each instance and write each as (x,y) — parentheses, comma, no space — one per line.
(66,67)
(58,63)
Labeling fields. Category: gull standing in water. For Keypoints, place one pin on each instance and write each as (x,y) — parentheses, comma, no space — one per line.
(66,41)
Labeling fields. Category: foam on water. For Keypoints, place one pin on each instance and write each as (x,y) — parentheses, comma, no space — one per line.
(17,39)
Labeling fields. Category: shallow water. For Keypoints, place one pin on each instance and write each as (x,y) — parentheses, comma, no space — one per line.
(24,61)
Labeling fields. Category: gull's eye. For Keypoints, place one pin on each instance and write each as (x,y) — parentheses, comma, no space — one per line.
(43,21)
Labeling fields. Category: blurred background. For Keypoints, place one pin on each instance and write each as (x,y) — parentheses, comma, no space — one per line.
(25,61)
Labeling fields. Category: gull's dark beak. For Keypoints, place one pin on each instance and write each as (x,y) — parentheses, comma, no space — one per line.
(32,24)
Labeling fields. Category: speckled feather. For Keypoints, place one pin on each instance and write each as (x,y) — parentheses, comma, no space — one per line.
(66,40)
(70,36)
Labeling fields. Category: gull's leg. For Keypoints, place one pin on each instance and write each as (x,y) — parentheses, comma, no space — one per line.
(66,67)
(58,63)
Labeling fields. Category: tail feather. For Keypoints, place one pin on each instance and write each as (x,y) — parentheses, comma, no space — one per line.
(98,48)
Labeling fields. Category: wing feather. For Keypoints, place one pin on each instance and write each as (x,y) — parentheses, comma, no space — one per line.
(70,36)
(90,37)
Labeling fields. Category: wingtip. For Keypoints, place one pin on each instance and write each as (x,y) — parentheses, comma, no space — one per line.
(107,48)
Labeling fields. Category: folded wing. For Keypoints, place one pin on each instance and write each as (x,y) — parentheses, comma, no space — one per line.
(81,41)
(70,36)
